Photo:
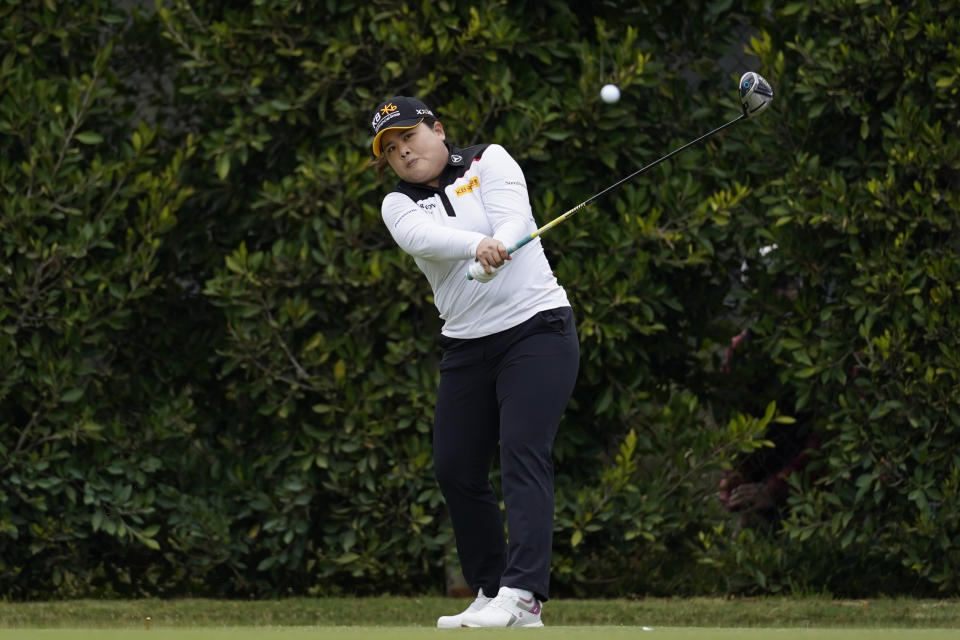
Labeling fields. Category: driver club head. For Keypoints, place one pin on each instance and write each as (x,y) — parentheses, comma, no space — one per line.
(756,94)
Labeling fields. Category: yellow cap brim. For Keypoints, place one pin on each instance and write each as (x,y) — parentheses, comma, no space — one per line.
(376,139)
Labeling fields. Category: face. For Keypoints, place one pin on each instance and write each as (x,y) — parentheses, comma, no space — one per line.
(417,155)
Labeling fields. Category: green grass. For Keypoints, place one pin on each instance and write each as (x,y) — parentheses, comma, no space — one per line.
(282,617)
(549,633)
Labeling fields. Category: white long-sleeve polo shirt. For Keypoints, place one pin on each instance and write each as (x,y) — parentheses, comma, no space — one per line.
(482,192)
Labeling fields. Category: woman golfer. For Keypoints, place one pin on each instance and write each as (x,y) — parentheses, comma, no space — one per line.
(510,352)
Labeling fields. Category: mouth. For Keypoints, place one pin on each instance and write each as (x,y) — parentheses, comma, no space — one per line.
(410,163)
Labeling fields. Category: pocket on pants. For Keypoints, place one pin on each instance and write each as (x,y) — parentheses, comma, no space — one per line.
(458,352)
(559,319)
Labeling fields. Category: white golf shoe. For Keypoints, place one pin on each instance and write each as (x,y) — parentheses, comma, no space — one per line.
(508,609)
(455,622)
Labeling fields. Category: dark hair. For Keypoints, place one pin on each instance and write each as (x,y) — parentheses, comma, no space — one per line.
(380,162)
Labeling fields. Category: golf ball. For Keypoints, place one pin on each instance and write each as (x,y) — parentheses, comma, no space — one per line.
(610,93)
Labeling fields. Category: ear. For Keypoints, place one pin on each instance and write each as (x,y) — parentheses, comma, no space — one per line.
(438,130)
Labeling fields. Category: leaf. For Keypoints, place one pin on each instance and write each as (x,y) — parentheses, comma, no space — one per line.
(71,396)
(233,264)
(576,538)
(89,137)
(346,558)
(223,166)
(606,399)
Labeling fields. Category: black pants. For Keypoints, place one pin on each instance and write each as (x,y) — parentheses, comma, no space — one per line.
(509,388)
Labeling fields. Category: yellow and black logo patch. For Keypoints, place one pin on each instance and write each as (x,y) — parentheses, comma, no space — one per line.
(467,188)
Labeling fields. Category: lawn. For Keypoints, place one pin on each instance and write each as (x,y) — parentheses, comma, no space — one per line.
(407,618)
(551,633)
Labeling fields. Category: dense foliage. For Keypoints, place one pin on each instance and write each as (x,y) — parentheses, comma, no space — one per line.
(217,371)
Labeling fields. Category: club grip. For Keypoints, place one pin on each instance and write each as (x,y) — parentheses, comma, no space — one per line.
(510,250)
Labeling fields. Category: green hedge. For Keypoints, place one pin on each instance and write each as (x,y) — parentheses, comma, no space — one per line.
(218,371)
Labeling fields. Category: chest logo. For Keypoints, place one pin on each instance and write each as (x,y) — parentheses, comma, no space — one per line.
(467,188)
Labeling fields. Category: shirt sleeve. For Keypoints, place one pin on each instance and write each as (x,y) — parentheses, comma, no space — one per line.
(415,231)
(505,198)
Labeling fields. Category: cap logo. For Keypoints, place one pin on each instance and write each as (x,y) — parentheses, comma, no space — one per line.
(400,112)
(388,112)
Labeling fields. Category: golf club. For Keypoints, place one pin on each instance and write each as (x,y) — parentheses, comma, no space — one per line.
(755,96)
